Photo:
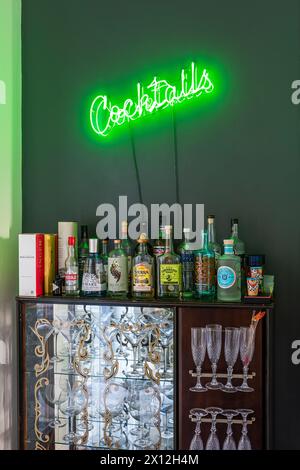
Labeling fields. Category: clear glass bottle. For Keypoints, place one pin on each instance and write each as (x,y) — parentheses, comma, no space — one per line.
(169,278)
(117,271)
(187,262)
(94,277)
(238,245)
(204,269)
(213,244)
(142,271)
(71,267)
(229,274)
(83,251)
(127,246)
(211,232)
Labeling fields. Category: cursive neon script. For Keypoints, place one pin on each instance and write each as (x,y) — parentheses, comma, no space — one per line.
(159,94)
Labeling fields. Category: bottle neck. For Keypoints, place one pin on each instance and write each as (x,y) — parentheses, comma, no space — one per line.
(228,250)
(204,240)
(235,230)
(71,251)
(142,248)
(168,243)
(104,248)
(211,232)
(162,232)
(117,246)
(84,234)
(186,237)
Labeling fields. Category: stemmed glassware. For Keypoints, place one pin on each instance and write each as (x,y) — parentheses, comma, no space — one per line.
(196,442)
(148,405)
(166,406)
(214,345)
(244,442)
(54,396)
(231,347)
(166,335)
(71,405)
(229,443)
(213,442)
(135,331)
(56,330)
(198,340)
(247,343)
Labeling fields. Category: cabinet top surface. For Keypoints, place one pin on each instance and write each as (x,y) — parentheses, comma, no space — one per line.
(146,302)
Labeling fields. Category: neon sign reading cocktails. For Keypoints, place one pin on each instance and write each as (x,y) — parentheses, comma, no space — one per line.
(159,94)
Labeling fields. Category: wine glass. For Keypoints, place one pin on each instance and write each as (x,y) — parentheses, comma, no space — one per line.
(148,405)
(196,442)
(135,333)
(232,344)
(214,345)
(247,343)
(56,330)
(71,405)
(213,442)
(198,340)
(229,443)
(167,402)
(54,395)
(244,442)
(166,337)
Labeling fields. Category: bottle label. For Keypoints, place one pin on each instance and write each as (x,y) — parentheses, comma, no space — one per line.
(118,274)
(204,271)
(158,250)
(142,277)
(226,277)
(71,279)
(170,274)
(95,282)
(187,260)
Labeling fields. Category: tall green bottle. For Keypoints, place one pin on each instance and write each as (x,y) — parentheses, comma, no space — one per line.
(204,269)
(229,274)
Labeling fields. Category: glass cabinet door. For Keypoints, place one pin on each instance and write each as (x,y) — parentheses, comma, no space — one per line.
(97,377)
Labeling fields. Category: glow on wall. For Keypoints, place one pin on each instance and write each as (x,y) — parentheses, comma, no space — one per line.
(159,94)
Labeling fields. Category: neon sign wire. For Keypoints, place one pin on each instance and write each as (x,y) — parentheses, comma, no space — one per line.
(159,94)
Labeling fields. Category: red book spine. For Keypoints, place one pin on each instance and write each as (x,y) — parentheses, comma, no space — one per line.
(39,264)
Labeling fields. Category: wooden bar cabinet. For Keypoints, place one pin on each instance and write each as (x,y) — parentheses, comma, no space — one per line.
(116,374)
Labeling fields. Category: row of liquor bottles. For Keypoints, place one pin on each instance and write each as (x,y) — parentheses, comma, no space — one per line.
(148,270)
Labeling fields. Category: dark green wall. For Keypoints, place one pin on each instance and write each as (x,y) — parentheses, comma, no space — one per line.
(239,155)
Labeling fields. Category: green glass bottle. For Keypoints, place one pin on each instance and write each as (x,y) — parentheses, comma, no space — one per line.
(211,232)
(238,244)
(213,244)
(127,246)
(117,271)
(104,255)
(229,275)
(204,269)
(187,262)
(83,251)
(142,271)
(169,280)
(159,243)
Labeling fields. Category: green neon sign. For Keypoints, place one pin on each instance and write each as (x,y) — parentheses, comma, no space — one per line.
(159,94)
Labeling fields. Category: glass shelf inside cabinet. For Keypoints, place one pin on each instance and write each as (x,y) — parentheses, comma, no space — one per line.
(99,377)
